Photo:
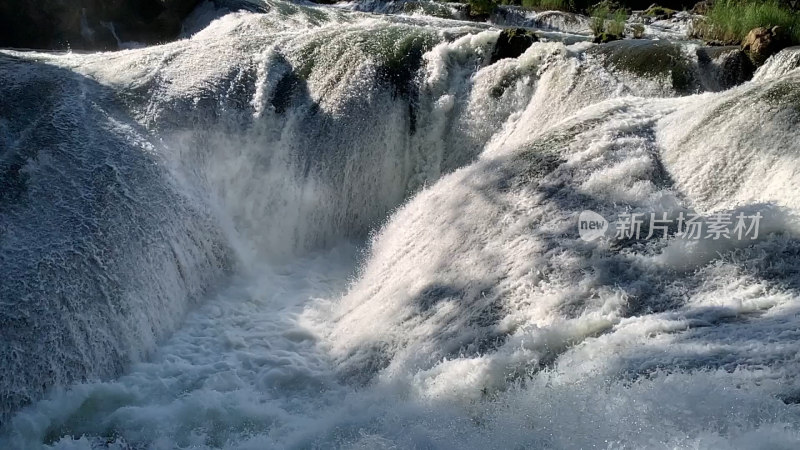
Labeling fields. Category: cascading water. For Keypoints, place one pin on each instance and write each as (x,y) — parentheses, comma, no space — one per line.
(307,227)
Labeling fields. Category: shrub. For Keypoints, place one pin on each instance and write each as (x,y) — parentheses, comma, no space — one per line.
(606,23)
(616,23)
(597,25)
(729,21)
(549,5)
(481,8)
(659,12)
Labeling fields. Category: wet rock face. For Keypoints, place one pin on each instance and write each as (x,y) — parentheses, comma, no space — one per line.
(716,68)
(761,43)
(647,58)
(512,43)
(90,24)
(726,66)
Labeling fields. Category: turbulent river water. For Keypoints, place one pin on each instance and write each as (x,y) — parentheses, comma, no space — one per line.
(315,227)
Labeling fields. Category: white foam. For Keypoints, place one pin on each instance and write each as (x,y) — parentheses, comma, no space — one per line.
(476,318)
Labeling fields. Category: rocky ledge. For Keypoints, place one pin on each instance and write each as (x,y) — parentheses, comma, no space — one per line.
(90,24)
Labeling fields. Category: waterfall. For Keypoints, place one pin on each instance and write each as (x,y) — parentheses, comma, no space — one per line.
(304,226)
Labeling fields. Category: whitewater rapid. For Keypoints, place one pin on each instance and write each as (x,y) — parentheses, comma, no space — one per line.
(314,227)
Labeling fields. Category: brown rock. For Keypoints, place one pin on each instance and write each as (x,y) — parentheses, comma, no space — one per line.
(761,43)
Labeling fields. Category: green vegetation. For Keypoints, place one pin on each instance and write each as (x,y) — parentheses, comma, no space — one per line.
(729,21)
(552,5)
(607,24)
(726,22)
(428,8)
(485,7)
(481,8)
(555,5)
(579,6)
(659,12)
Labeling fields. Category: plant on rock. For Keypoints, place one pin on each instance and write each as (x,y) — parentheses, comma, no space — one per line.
(608,24)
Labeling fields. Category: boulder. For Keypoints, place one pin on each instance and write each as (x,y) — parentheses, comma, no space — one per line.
(655,59)
(90,24)
(724,67)
(512,42)
(761,43)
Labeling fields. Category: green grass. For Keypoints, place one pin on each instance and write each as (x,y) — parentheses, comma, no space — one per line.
(616,26)
(729,21)
(658,11)
(485,7)
(604,20)
(575,6)
(548,5)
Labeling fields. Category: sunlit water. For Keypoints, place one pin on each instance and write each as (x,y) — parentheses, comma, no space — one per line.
(314,227)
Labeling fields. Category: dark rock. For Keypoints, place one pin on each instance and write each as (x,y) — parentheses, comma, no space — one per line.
(761,43)
(650,59)
(605,37)
(90,24)
(724,67)
(512,42)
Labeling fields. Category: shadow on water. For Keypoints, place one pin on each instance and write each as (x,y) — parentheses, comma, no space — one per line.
(100,252)
(716,337)
(104,250)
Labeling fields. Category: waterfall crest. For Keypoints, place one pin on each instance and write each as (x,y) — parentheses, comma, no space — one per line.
(306,226)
